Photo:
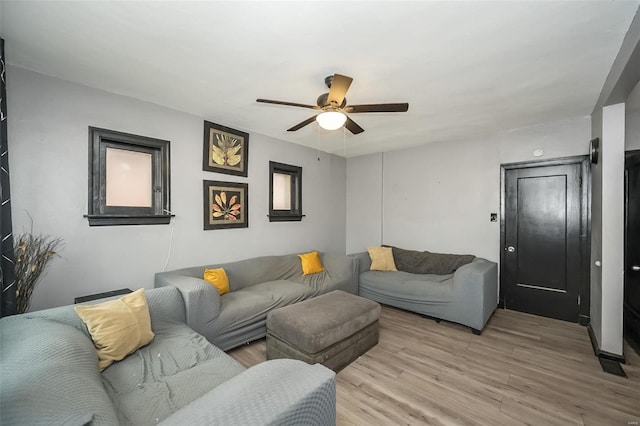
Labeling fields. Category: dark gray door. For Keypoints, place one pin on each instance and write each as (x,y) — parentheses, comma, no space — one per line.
(542,250)
(632,249)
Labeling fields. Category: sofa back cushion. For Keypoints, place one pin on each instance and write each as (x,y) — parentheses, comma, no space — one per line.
(424,262)
(49,375)
(340,273)
(165,304)
(249,272)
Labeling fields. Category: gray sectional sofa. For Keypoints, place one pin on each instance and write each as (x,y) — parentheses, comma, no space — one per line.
(469,296)
(49,375)
(257,286)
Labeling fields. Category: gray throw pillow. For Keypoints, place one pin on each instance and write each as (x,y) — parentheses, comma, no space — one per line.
(424,262)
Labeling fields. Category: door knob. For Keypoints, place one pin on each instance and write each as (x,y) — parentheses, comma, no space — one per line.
(635,268)
(510,249)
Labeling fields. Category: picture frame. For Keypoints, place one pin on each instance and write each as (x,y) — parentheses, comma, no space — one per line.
(226,205)
(225,150)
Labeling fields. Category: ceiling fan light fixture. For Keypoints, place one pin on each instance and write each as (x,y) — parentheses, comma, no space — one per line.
(331,120)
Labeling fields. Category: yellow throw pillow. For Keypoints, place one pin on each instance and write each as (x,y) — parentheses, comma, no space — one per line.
(311,263)
(381,259)
(218,279)
(118,327)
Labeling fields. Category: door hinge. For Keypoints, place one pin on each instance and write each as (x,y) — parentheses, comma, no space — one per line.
(578,300)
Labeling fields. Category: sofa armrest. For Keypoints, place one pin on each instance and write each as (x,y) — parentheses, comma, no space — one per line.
(201,299)
(478,283)
(277,392)
(342,269)
(364,261)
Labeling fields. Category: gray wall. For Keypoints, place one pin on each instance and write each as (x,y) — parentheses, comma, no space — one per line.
(632,120)
(439,196)
(48,134)
(364,202)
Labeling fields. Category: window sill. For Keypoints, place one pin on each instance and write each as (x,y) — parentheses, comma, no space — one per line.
(286,218)
(114,220)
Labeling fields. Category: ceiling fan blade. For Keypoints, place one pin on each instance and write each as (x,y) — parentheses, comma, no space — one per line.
(269,101)
(353,127)
(402,107)
(302,124)
(339,87)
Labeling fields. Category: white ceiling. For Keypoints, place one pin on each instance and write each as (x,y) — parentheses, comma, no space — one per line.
(466,68)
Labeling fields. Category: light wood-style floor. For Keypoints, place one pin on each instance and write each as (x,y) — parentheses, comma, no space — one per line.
(522,370)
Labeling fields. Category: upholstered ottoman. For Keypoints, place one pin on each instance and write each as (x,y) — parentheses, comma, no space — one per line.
(333,329)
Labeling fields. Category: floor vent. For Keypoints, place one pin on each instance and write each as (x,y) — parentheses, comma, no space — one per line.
(612,367)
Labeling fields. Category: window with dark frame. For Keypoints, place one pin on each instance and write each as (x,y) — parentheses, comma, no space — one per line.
(129,179)
(285,192)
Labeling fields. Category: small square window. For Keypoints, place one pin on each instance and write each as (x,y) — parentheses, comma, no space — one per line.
(128,179)
(285,196)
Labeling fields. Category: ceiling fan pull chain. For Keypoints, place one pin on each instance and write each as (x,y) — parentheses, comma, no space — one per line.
(317,143)
(344,142)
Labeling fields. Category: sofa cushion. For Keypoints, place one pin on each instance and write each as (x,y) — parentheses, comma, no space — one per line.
(178,367)
(424,262)
(118,327)
(310,263)
(217,278)
(419,287)
(49,375)
(251,304)
(381,259)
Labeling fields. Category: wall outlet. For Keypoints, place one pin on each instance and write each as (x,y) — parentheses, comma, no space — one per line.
(494,217)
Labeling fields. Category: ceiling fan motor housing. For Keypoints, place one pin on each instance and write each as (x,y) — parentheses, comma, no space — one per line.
(328,80)
(323,102)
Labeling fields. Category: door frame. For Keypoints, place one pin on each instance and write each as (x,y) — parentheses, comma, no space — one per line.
(631,157)
(585,226)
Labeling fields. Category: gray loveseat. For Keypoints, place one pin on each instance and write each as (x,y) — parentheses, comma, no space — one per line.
(468,296)
(49,376)
(257,286)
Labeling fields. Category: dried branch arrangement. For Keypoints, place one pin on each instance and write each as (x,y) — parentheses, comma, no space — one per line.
(32,253)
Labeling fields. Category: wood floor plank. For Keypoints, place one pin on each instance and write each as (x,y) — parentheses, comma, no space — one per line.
(522,370)
(610,404)
(411,408)
(534,415)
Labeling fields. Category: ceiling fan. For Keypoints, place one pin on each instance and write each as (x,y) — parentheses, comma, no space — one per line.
(333,107)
